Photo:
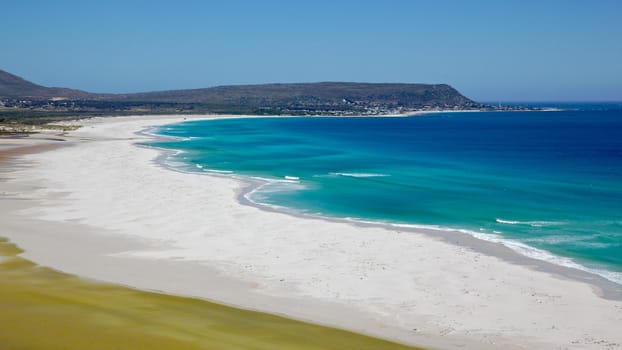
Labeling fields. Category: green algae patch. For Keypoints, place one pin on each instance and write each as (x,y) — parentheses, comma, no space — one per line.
(44,309)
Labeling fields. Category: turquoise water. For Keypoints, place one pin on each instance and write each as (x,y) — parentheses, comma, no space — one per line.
(546,183)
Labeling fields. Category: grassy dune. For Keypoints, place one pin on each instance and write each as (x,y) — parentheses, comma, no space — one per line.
(44,309)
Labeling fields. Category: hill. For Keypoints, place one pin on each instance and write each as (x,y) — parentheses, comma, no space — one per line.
(12,86)
(19,97)
(328,95)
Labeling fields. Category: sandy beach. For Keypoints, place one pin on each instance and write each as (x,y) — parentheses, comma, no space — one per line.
(103,208)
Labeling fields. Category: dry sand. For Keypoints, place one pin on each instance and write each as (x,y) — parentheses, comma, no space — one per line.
(103,208)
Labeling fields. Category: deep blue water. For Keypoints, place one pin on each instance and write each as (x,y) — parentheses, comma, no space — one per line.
(548,180)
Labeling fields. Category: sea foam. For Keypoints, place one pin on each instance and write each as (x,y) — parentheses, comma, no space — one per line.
(530,223)
(363,175)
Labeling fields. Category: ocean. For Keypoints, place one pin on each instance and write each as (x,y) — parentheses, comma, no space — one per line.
(547,184)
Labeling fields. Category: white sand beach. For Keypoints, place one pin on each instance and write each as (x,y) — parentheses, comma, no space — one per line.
(104,209)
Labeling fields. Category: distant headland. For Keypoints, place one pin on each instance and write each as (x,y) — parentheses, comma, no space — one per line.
(20,99)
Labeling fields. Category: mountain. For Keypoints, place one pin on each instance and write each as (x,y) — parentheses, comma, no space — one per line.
(325,98)
(12,86)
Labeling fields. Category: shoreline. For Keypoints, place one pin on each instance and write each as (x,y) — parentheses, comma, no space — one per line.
(497,247)
(506,249)
(351,251)
(500,248)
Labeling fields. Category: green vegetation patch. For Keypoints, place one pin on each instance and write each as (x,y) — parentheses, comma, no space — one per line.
(45,309)
(16,128)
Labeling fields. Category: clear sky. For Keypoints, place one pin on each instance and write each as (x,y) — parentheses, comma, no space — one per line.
(529,50)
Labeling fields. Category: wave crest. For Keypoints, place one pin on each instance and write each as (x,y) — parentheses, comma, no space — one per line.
(529,223)
(359,174)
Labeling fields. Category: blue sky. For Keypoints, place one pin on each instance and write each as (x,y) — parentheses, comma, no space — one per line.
(529,50)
